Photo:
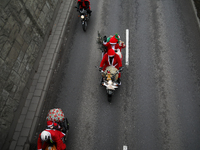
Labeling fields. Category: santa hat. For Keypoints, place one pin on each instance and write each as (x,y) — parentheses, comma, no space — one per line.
(111,52)
(49,123)
(113,40)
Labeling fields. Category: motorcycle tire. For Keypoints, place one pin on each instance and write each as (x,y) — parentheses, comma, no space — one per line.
(109,98)
(67,128)
(84,25)
(51,147)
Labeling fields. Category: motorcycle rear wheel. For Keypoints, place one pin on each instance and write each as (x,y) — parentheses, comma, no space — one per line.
(109,98)
(51,147)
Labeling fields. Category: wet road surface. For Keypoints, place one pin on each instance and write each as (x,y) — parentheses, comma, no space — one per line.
(158,103)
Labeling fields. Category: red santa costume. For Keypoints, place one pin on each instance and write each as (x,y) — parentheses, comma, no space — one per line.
(53,125)
(110,59)
(113,44)
(55,137)
(83,4)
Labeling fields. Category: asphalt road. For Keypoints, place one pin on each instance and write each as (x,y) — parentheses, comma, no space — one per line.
(157,106)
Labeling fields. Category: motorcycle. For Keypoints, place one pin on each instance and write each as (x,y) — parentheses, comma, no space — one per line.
(109,80)
(56,115)
(84,18)
(110,75)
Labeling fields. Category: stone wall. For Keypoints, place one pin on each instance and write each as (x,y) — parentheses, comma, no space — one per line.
(24,29)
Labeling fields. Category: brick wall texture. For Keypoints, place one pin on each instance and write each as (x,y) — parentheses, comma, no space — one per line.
(24,26)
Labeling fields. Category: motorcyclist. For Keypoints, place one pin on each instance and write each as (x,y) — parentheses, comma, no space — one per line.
(84,4)
(111,59)
(51,136)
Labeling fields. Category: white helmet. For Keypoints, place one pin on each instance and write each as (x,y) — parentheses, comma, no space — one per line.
(45,135)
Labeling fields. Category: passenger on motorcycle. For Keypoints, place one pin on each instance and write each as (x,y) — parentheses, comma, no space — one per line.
(111,59)
(53,125)
(84,4)
(115,43)
(51,136)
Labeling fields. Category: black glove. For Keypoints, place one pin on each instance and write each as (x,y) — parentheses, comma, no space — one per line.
(120,69)
(78,9)
(100,68)
(105,39)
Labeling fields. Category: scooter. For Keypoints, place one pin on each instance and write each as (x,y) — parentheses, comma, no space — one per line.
(57,116)
(64,128)
(110,75)
(109,80)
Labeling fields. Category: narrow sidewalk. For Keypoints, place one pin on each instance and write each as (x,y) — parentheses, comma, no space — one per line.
(27,121)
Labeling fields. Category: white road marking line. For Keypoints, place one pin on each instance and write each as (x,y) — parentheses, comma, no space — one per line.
(127,47)
(125,147)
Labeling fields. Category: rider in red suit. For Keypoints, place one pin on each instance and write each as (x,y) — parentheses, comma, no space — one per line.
(53,125)
(114,43)
(84,4)
(111,59)
(53,136)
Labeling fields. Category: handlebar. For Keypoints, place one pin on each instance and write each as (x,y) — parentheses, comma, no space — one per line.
(117,72)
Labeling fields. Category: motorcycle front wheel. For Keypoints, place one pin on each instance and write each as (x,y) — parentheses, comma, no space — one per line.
(84,25)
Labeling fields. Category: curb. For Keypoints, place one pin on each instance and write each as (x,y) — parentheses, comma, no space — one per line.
(29,116)
(195,11)
(39,109)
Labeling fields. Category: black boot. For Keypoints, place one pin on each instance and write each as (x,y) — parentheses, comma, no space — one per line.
(119,81)
(90,12)
(101,81)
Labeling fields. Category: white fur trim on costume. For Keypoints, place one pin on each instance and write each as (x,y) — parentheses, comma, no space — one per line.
(113,43)
(111,64)
(113,47)
(104,43)
(119,53)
